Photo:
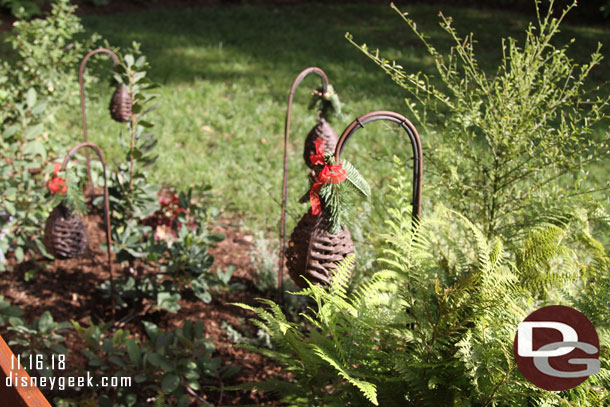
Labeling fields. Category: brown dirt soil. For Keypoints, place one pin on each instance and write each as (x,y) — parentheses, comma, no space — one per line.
(68,289)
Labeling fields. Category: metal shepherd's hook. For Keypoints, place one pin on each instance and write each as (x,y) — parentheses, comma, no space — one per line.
(106,208)
(81,71)
(415,146)
(295,84)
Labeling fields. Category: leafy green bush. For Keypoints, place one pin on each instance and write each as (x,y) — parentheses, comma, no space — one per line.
(508,148)
(176,244)
(45,57)
(171,366)
(185,261)
(22,9)
(40,341)
(23,153)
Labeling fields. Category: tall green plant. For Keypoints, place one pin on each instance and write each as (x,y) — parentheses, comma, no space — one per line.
(506,147)
(133,197)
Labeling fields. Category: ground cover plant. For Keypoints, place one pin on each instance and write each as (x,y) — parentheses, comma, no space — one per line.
(419,321)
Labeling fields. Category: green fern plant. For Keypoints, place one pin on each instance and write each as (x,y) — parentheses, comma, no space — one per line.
(435,324)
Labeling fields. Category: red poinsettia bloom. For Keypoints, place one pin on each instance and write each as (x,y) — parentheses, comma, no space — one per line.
(318,157)
(57,185)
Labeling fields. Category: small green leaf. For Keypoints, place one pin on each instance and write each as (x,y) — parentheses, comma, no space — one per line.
(30,98)
(10,208)
(39,108)
(134,351)
(33,132)
(45,322)
(170,383)
(155,359)
(168,301)
(140,61)
(129,61)
(151,329)
(35,147)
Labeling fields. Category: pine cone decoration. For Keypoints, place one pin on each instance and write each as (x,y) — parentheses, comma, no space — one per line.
(322,129)
(65,236)
(313,251)
(120,105)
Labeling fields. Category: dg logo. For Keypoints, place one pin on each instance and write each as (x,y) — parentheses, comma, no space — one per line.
(557,348)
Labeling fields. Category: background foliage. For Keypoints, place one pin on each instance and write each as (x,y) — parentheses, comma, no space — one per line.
(511,146)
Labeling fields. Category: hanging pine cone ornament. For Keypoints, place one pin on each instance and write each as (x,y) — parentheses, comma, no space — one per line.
(313,252)
(65,236)
(120,104)
(324,131)
(320,240)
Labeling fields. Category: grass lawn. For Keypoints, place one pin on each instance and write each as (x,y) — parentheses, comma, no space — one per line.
(225,73)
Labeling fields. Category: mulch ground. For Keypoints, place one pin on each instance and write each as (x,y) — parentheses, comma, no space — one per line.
(68,288)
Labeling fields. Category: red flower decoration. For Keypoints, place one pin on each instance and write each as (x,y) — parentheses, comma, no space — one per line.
(57,185)
(314,198)
(332,174)
(318,157)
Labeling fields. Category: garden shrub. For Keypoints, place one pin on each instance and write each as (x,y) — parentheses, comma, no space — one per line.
(508,148)
(40,342)
(168,367)
(45,56)
(22,9)
(176,245)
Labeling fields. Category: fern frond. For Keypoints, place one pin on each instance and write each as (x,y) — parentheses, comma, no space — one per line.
(368,389)
(356,180)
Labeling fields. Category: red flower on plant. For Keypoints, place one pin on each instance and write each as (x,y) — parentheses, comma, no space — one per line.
(318,157)
(57,185)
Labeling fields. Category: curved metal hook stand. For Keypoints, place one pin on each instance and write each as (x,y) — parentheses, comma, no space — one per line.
(293,89)
(415,145)
(106,207)
(81,72)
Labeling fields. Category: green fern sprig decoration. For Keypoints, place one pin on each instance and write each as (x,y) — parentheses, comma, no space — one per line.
(356,180)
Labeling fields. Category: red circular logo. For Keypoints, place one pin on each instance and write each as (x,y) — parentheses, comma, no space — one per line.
(557,348)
